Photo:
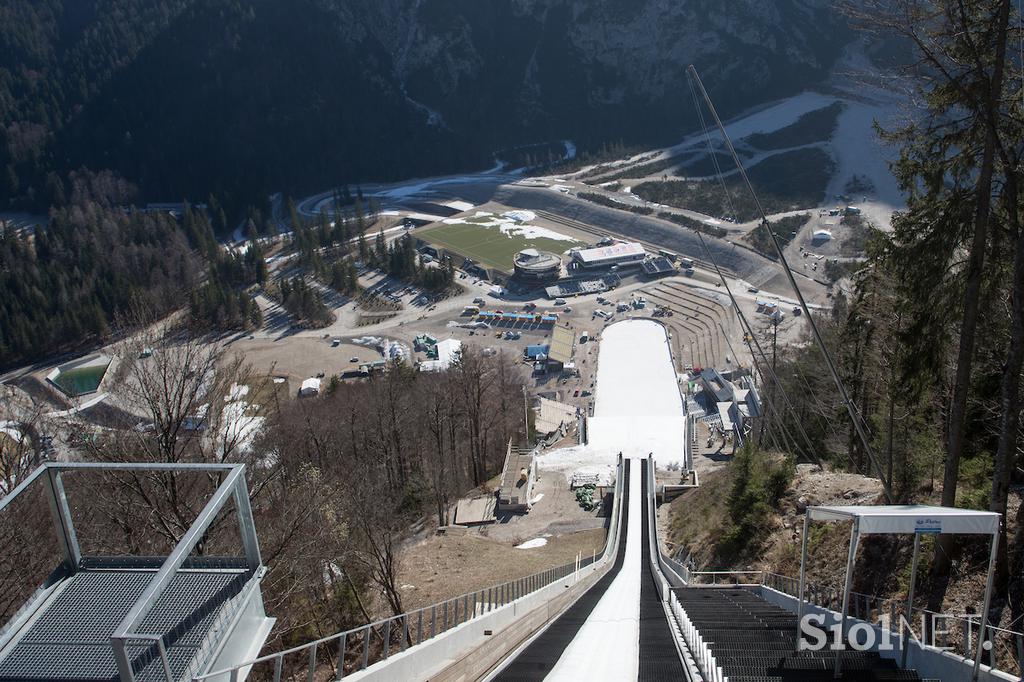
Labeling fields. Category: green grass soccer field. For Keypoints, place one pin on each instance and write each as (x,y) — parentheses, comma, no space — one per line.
(488,245)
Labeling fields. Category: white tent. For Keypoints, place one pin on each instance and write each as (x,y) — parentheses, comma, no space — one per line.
(903,519)
(448,352)
(310,387)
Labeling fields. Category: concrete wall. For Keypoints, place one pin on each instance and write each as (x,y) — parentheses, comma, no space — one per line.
(469,650)
(246,634)
(930,662)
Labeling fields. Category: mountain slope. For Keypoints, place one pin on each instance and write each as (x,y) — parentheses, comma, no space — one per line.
(244,97)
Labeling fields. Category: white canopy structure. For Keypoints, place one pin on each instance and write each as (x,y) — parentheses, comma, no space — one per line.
(912,518)
(903,519)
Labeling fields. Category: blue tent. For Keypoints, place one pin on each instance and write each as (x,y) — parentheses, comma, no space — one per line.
(534,352)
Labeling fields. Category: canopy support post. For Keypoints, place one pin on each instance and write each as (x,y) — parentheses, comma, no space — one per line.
(985,606)
(854,539)
(908,614)
(800,593)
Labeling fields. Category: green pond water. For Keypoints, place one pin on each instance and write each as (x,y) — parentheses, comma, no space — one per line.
(80,380)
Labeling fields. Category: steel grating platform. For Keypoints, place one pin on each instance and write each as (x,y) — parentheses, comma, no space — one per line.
(659,658)
(69,638)
(539,657)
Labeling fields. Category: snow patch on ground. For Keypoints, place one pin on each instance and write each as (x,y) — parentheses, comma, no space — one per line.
(534,543)
(854,144)
(424,216)
(779,115)
(570,150)
(520,216)
(534,232)
(389,349)
(512,224)
(236,392)
(368,341)
(239,427)
(13,430)
(857,150)
(589,459)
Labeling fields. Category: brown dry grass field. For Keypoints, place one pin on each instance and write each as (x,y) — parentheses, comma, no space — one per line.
(443,567)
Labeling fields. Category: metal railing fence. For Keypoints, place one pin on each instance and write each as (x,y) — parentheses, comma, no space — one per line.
(356,649)
(954,632)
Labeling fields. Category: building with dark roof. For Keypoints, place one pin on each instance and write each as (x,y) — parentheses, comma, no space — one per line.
(658,266)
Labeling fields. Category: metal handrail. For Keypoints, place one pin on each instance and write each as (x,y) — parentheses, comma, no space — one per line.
(891,613)
(415,626)
(695,575)
(709,668)
(231,487)
(426,622)
(212,636)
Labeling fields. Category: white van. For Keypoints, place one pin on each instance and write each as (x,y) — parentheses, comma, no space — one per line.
(559,301)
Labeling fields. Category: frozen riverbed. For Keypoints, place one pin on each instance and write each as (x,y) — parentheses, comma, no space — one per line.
(639,409)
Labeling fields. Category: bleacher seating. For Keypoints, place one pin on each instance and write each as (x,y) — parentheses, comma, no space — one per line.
(754,641)
(700,323)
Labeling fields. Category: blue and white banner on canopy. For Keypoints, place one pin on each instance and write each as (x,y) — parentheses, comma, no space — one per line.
(912,519)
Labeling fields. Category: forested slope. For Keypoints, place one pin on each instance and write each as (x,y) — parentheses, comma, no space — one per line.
(244,97)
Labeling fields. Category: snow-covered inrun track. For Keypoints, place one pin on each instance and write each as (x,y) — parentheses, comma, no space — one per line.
(607,646)
(639,409)
(639,412)
(618,629)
